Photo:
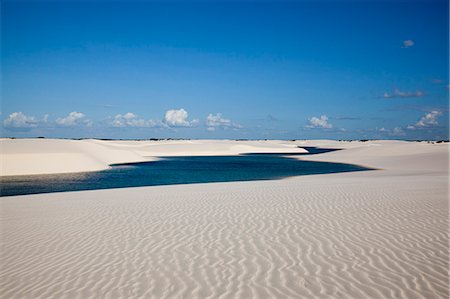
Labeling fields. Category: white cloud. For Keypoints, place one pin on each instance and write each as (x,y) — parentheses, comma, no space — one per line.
(319,122)
(408,43)
(172,118)
(403,94)
(397,131)
(217,121)
(128,120)
(74,118)
(178,118)
(20,120)
(428,120)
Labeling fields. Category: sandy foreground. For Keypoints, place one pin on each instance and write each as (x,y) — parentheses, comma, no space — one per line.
(373,234)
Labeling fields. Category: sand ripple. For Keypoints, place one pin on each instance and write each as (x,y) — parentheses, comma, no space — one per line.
(337,237)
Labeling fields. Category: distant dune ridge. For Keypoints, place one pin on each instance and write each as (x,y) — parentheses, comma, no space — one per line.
(45,156)
(371,234)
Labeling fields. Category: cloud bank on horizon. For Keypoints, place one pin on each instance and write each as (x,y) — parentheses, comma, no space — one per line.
(173,118)
(290,70)
(178,118)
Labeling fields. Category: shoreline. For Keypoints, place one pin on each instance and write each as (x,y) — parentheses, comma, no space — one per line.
(52,156)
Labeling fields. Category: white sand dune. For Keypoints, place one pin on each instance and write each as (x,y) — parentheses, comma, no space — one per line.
(374,234)
(46,156)
(43,156)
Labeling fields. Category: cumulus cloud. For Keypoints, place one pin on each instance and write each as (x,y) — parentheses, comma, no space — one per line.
(217,121)
(172,118)
(428,120)
(319,122)
(408,43)
(128,120)
(20,120)
(403,94)
(397,131)
(178,118)
(73,119)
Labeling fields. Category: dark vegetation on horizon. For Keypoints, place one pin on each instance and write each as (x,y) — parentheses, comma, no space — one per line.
(243,139)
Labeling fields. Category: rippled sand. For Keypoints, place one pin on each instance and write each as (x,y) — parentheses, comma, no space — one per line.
(375,234)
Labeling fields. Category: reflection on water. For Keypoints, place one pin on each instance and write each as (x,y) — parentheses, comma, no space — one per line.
(174,170)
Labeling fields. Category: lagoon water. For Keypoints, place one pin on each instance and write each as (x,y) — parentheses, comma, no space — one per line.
(174,170)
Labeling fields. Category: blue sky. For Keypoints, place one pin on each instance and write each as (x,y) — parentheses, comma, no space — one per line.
(288,70)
